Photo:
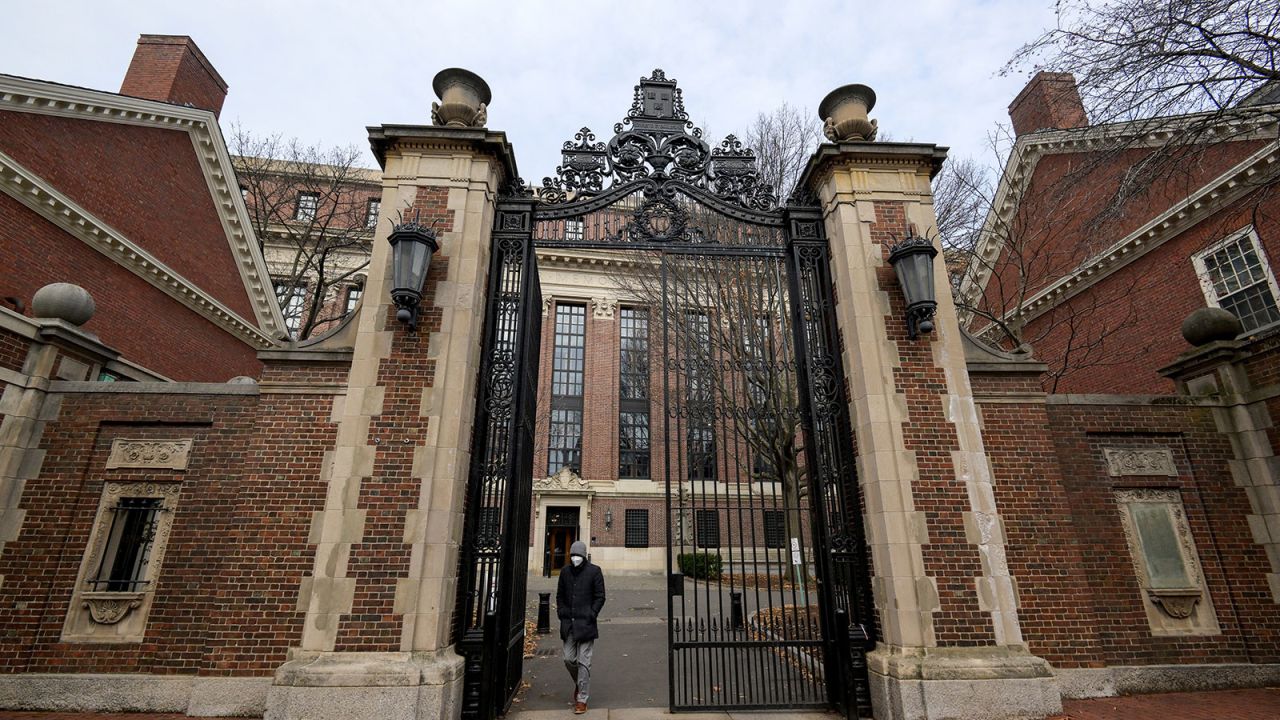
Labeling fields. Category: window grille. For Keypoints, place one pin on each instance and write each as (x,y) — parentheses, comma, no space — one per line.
(123,565)
(567,366)
(708,528)
(1235,276)
(775,529)
(637,528)
(308,204)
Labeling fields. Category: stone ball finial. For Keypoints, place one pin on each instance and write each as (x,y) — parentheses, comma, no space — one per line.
(242,380)
(843,113)
(464,99)
(1210,324)
(63,301)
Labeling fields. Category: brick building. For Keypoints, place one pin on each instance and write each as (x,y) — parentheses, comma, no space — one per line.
(303,545)
(1101,276)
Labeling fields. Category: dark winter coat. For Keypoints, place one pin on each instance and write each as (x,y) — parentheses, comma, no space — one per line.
(579,598)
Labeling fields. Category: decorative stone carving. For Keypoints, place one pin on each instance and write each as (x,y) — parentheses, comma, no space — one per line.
(1177,603)
(546,305)
(1140,461)
(1175,594)
(115,616)
(564,481)
(464,98)
(604,308)
(168,454)
(109,608)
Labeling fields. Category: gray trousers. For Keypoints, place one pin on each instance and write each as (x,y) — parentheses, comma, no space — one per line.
(577,658)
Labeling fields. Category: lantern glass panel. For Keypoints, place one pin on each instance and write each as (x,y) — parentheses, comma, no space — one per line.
(410,259)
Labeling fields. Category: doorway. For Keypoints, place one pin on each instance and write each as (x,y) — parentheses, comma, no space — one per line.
(562,532)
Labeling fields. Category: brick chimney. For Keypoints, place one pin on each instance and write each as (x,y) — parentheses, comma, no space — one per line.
(1050,101)
(170,68)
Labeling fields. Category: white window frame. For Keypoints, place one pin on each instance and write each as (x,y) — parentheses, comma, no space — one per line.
(304,213)
(296,293)
(372,212)
(1202,271)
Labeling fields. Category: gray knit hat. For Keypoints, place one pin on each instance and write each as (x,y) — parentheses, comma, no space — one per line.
(578,548)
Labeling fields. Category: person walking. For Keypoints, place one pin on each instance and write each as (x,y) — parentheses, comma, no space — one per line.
(579,598)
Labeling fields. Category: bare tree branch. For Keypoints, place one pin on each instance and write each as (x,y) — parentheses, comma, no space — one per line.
(310,208)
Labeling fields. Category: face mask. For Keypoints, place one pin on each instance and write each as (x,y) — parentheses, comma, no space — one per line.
(577,560)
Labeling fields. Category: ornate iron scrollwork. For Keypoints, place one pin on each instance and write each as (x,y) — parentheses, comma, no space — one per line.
(656,141)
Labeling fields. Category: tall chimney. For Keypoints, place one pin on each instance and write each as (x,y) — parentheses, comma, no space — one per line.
(170,68)
(1050,101)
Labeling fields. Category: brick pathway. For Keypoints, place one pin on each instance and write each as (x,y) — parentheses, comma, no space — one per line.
(1262,704)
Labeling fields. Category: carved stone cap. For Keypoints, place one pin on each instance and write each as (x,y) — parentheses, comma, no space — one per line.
(109,608)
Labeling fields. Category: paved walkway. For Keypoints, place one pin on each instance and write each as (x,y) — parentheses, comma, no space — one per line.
(630,661)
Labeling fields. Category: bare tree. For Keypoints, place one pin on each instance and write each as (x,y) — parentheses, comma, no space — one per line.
(314,210)
(1174,67)
(729,374)
(783,140)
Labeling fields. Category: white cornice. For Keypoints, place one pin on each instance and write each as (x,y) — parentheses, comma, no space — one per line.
(24,186)
(24,95)
(1247,124)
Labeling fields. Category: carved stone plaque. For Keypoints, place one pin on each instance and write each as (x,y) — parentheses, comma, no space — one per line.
(168,454)
(1143,461)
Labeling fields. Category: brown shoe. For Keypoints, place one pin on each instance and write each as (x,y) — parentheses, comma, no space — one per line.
(579,708)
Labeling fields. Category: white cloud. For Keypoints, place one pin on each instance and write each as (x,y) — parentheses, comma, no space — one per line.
(322,71)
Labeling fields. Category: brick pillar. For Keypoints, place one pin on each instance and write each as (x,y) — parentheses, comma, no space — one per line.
(380,599)
(950,644)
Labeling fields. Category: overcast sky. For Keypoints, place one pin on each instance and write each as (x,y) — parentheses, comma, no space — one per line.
(323,71)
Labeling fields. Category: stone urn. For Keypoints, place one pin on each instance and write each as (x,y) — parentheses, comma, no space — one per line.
(464,98)
(844,114)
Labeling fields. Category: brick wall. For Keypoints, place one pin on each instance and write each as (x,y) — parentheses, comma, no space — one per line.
(13,350)
(185,346)
(1044,555)
(41,565)
(144,182)
(1216,509)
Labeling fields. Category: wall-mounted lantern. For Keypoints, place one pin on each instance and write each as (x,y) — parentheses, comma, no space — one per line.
(608,519)
(912,260)
(412,246)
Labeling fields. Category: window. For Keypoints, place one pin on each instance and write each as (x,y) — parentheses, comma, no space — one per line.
(292,298)
(567,366)
(700,436)
(775,529)
(573,230)
(1235,276)
(637,529)
(633,391)
(371,213)
(708,528)
(120,566)
(244,193)
(124,562)
(353,297)
(308,203)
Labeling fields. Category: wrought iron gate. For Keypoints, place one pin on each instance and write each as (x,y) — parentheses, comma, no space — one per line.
(769,591)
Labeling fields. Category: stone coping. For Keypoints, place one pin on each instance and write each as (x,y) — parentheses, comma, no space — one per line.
(152,388)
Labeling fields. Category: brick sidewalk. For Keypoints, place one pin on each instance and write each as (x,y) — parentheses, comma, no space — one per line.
(1261,704)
